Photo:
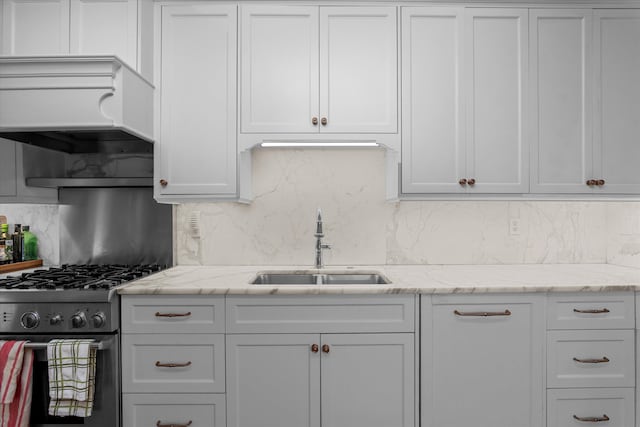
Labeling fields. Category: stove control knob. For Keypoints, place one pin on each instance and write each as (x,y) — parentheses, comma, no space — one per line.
(30,320)
(56,319)
(78,320)
(98,320)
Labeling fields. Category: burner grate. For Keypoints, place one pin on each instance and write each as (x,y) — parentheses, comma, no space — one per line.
(79,277)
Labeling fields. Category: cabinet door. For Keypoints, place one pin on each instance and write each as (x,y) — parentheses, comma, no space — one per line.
(273,380)
(496,78)
(358,69)
(482,370)
(617,117)
(35,27)
(8,184)
(104,27)
(367,380)
(560,46)
(433,157)
(196,148)
(279,69)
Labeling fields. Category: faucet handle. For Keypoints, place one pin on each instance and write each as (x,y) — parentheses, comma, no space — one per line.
(325,246)
(319,231)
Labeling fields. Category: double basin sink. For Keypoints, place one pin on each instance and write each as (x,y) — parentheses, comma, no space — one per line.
(316,278)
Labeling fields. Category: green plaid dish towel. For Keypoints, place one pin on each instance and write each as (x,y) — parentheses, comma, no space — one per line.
(72,377)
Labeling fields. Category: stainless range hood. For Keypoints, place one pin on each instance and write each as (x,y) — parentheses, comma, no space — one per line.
(76,104)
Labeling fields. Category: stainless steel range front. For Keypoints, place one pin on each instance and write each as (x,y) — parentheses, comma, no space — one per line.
(74,301)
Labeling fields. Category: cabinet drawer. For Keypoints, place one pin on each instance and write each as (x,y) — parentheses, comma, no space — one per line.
(598,311)
(172,314)
(149,410)
(330,313)
(604,358)
(148,363)
(564,406)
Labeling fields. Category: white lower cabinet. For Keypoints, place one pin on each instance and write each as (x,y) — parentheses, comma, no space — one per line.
(591,358)
(173,361)
(181,410)
(612,407)
(482,361)
(322,379)
(301,379)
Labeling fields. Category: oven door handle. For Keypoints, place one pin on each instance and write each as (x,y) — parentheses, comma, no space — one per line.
(43,345)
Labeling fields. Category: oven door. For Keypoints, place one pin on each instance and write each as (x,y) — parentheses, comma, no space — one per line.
(106,406)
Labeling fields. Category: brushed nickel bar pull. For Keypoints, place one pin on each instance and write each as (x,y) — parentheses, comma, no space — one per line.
(187,314)
(592,311)
(159,424)
(592,419)
(603,360)
(482,313)
(172,365)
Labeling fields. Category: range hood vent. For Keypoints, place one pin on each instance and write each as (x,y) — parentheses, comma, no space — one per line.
(76,104)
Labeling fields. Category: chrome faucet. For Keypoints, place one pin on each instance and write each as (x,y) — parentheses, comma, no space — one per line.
(319,245)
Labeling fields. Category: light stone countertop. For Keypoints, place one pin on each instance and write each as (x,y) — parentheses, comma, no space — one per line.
(412,279)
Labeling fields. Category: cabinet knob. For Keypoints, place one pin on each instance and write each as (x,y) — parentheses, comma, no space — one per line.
(314,348)
(471,181)
(163,182)
(463,181)
(600,182)
(591,182)
(324,121)
(325,348)
(314,120)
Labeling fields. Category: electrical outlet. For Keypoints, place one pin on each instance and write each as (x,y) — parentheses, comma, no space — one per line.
(514,227)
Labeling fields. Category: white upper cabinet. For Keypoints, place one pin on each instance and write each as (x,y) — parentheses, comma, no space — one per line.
(104,27)
(464,100)
(585,111)
(560,46)
(496,77)
(433,155)
(358,70)
(77,27)
(195,150)
(280,71)
(35,27)
(308,69)
(617,110)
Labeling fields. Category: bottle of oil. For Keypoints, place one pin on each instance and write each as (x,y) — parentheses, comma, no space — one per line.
(17,238)
(8,242)
(30,244)
(3,238)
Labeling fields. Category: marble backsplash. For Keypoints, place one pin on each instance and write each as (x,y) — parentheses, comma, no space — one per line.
(43,221)
(290,184)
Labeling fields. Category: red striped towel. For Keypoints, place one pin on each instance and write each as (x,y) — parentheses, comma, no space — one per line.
(16,367)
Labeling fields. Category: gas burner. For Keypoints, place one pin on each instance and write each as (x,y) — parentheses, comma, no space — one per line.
(78,277)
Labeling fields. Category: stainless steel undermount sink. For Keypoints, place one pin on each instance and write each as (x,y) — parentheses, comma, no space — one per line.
(315,278)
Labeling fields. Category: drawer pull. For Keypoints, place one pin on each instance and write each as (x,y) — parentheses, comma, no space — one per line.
(482,313)
(159,424)
(172,365)
(603,360)
(592,311)
(187,314)
(592,419)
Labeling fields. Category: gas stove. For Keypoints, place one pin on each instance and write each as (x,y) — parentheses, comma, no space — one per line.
(71,299)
